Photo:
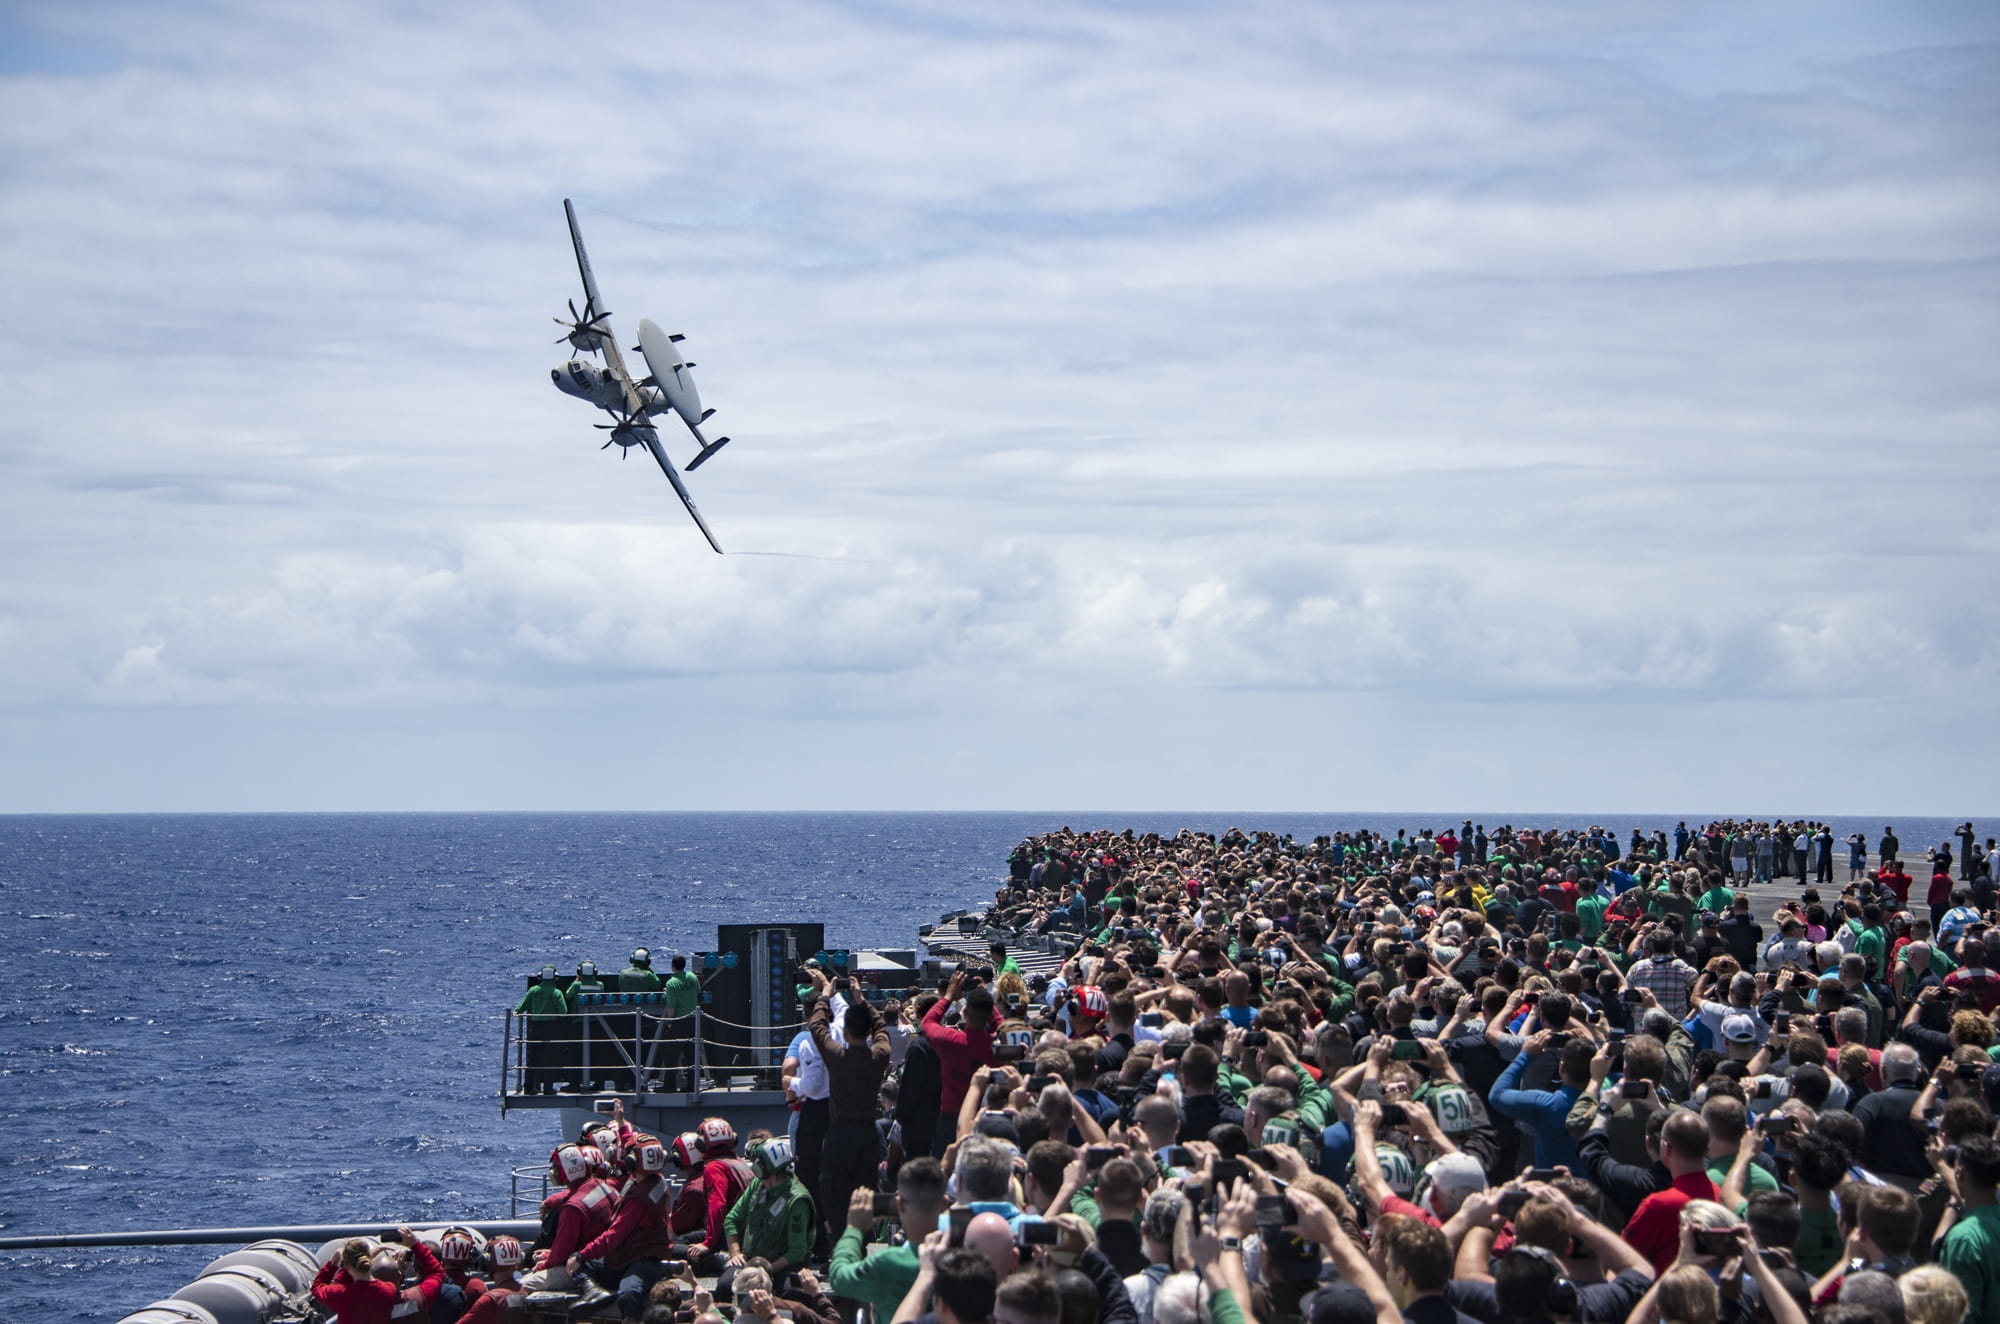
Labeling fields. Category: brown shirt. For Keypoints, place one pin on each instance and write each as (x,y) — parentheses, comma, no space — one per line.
(853,1075)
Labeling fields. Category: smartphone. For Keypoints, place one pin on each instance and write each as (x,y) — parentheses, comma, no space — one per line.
(1635,1089)
(1763,1090)
(1531,999)
(1721,1242)
(1969,1070)
(958,1218)
(1096,1156)
(1406,1050)
(1009,1052)
(1255,1038)
(1180,1156)
(1543,1174)
(1395,1114)
(884,1205)
(1782,1023)
(1173,1052)
(1263,1158)
(1037,1232)
(1511,1201)
(1633,996)
(1152,1020)
(1228,1172)
(1036,1084)
(1274,1211)
(1777,1124)
(604,1107)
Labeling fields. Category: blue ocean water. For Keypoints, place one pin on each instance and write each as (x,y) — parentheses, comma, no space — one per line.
(243,1019)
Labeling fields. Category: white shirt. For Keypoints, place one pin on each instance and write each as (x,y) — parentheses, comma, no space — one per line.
(812,1081)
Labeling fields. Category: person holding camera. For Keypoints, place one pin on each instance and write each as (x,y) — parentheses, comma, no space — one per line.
(856,1060)
(883,1278)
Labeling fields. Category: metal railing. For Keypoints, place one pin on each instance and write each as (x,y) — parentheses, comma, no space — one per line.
(619,1047)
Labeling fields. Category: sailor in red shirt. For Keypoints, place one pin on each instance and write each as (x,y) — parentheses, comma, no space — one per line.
(348,1286)
(1560,893)
(1655,1228)
(459,1253)
(584,1210)
(961,1052)
(506,1255)
(712,1180)
(632,1251)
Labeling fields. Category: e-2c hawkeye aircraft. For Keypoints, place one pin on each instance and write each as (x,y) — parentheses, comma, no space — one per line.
(668,388)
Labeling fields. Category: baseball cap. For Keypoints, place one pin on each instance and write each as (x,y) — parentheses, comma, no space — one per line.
(1739,1029)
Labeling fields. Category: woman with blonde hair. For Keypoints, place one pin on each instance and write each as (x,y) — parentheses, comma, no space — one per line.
(1687,1295)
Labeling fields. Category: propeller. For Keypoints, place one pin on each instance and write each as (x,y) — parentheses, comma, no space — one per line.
(584,328)
(628,431)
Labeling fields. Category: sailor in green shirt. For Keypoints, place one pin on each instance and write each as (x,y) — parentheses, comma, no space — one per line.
(1590,907)
(638,977)
(1002,964)
(1666,899)
(1971,1248)
(1718,899)
(883,1278)
(683,989)
(773,1218)
(546,1007)
(1870,941)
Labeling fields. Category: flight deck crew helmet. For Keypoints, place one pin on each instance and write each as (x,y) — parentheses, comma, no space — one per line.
(586,969)
(568,1164)
(456,1248)
(648,1154)
(1089,1001)
(505,1252)
(718,1137)
(686,1152)
(548,974)
(604,1138)
(771,1157)
(642,958)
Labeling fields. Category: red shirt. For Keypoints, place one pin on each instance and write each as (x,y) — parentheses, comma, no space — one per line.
(959,1055)
(1396,1204)
(1560,895)
(1980,982)
(1655,1229)
(355,1302)
(1873,1080)
(1940,894)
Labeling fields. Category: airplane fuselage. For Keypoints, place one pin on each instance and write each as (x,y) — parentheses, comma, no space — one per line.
(599,385)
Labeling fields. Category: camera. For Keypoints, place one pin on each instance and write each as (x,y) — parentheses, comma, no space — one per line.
(884,1205)
(1255,1038)
(1635,1089)
(1275,1211)
(1037,1232)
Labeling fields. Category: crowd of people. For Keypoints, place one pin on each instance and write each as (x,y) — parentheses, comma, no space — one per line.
(1502,1077)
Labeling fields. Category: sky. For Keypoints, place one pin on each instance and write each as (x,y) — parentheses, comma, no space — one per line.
(1277,406)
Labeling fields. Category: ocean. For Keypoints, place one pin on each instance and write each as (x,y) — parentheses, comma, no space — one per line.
(259,1019)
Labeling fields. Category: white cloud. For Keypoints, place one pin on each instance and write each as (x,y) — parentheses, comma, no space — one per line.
(1103,358)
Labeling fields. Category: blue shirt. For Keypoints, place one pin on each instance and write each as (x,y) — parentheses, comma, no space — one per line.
(1543,1112)
(1240,1016)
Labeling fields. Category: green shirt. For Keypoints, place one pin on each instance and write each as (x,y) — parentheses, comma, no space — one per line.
(1755,1179)
(683,992)
(1869,943)
(1717,899)
(1819,1246)
(1590,914)
(776,1224)
(638,979)
(543,999)
(881,1279)
(1970,1251)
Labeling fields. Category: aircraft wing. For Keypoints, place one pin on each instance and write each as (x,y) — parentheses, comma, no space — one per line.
(607,342)
(652,439)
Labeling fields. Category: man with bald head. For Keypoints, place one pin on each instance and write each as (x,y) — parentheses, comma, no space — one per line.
(992,1236)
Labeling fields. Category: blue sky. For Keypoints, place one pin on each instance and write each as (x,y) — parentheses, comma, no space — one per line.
(1263,405)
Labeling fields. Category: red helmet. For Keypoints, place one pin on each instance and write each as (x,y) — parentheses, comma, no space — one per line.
(568,1164)
(505,1252)
(685,1152)
(648,1154)
(600,1162)
(1091,1002)
(457,1248)
(717,1136)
